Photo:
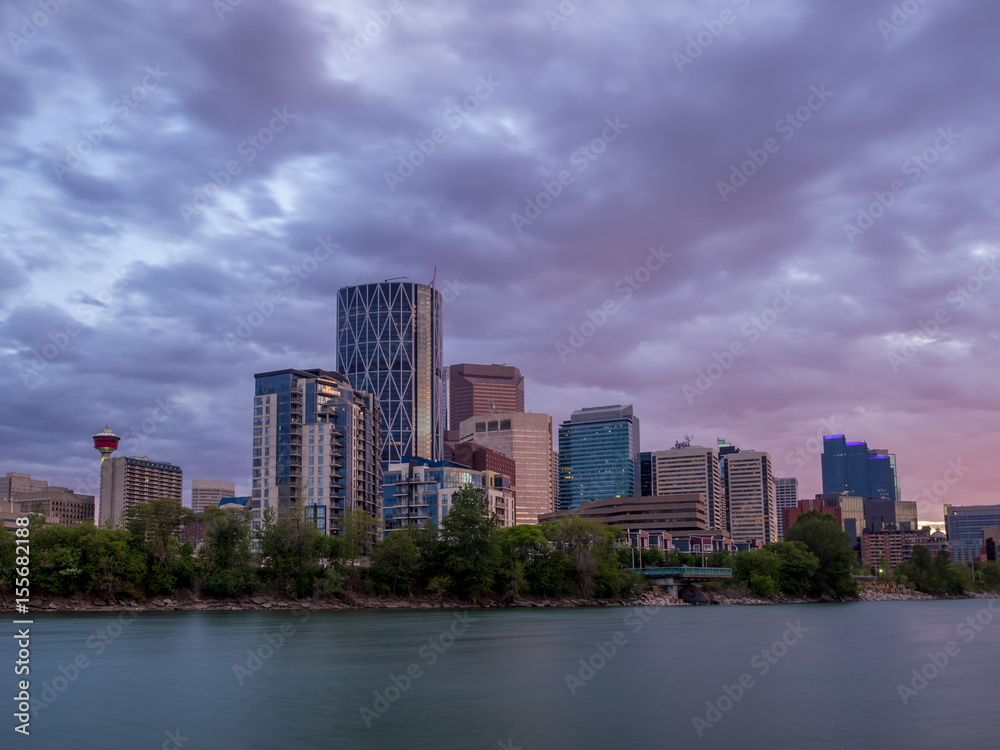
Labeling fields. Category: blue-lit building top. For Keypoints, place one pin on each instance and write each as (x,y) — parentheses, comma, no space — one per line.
(854,468)
(598,455)
(389,343)
(965,523)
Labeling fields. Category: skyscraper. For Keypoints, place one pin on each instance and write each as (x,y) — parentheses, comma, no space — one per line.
(206,492)
(389,344)
(315,442)
(852,467)
(526,438)
(691,469)
(750,492)
(786,495)
(127,481)
(598,455)
(475,390)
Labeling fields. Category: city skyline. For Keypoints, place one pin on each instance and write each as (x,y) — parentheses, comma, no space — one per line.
(725,248)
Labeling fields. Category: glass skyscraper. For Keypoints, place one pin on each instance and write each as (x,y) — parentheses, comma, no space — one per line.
(854,468)
(389,343)
(598,455)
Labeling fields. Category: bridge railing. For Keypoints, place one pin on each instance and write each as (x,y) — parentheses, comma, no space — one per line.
(686,571)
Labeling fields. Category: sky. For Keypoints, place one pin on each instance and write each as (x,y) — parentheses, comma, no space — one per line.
(757,220)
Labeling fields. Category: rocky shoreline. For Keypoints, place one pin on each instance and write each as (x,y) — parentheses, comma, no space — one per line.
(652,598)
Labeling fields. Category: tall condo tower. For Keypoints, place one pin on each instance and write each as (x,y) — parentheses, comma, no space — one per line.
(389,343)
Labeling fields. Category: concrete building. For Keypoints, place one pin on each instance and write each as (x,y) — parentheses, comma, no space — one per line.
(750,494)
(527,439)
(598,455)
(389,343)
(884,514)
(686,469)
(59,503)
(786,495)
(478,390)
(418,492)
(677,515)
(895,545)
(14,482)
(127,481)
(315,444)
(10,512)
(481,458)
(852,513)
(205,492)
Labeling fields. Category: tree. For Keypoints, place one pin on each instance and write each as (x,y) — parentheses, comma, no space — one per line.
(358,533)
(758,569)
(290,546)
(155,522)
(225,556)
(590,546)
(469,534)
(394,562)
(821,533)
(798,566)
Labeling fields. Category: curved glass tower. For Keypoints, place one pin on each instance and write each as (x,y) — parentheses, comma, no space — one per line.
(389,343)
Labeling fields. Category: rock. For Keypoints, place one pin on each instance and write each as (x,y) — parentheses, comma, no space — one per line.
(99,602)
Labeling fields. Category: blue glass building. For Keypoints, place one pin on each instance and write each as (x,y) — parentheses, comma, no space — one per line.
(965,523)
(854,468)
(598,455)
(389,344)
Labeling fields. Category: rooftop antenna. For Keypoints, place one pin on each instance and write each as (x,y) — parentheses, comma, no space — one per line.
(431,285)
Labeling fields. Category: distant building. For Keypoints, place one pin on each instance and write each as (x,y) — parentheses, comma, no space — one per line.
(10,512)
(883,514)
(750,493)
(791,515)
(206,492)
(645,474)
(965,523)
(481,458)
(991,536)
(418,492)
(786,495)
(677,515)
(127,481)
(852,513)
(527,439)
(598,455)
(68,508)
(895,545)
(853,467)
(389,343)
(691,469)
(478,390)
(14,482)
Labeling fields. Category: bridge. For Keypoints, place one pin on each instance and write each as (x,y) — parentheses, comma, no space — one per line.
(678,581)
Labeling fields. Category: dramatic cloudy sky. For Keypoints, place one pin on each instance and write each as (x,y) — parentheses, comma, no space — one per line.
(125,275)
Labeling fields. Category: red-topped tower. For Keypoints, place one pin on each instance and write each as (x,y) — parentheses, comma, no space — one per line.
(106,442)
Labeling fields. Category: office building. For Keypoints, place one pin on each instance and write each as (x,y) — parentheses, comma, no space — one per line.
(418,492)
(527,439)
(786,495)
(477,390)
(59,503)
(481,458)
(389,343)
(886,514)
(206,492)
(127,481)
(965,523)
(645,474)
(852,513)
(15,482)
(315,443)
(750,494)
(677,515)
(598,455)
(791,515)
(686,469)
(854,468)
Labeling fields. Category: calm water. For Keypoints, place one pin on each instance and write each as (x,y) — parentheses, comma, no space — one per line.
(499,679)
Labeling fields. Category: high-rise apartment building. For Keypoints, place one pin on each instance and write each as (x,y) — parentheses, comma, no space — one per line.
(686,469)
(206,492)
(389,343)
(786,495)
(127,481)
(315,443)
(750,493)
(598,455)
(853,467)
(526,438)
(475,390)
(15,482)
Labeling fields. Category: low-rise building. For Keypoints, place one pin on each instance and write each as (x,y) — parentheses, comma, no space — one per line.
(68,508)
(896,545)
(791,514)
(677,515)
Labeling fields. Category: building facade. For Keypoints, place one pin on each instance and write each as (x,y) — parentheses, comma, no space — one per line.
(15,482)
(786,495)
(677,515)
(418,492)
(688,469)
(854,468)
(315,444)
(206,492)
(895,545)
(59,503)
(389,343)
(127,481)
(476,390)
(791,515)
(965,523)
(527,439)
(852,513)
(598,455)
(750,494)
(885,514)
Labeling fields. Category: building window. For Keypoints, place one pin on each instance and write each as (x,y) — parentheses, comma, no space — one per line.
(493,426)
(480,426)
(504,424)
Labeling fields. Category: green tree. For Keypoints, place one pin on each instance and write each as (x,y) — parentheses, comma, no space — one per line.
(358,533)
(290,546)
(225,557)
(821,533)
(394,562)
(590,546)
(469,534)
(758,570)
(524,554)
(798,567)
